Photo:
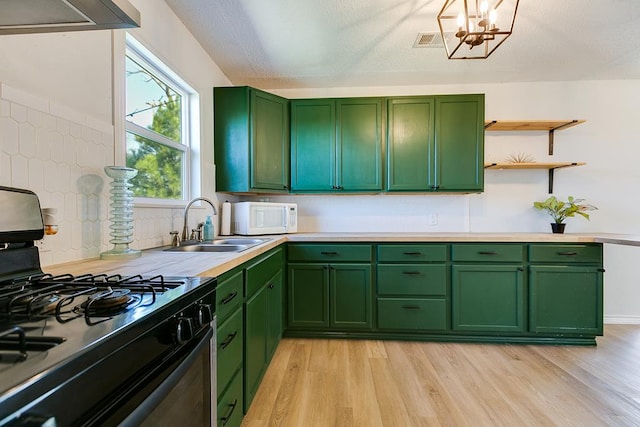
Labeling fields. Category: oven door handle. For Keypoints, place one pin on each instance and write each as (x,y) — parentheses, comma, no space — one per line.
(143,410)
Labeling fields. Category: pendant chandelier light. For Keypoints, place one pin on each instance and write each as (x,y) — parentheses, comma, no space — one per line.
(473,29)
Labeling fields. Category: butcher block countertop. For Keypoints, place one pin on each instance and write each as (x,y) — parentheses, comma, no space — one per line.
(156,261)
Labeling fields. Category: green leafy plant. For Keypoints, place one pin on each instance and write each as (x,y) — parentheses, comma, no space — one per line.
(560,210)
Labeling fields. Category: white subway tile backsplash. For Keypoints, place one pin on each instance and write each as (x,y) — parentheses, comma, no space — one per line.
(19,113)
(5,169)
(19,171)
(57,147)
(60,154)
(9,135)
(36,174)
(69,150)
(5,108)
(43,144)
(27,139)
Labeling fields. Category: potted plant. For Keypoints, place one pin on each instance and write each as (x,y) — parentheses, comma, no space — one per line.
(560,210)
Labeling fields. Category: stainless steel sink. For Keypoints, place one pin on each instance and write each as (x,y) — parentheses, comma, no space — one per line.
(238,241)
(230,244)
(207,247)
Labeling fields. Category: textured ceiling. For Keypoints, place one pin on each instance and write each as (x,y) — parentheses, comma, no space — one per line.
(345,43)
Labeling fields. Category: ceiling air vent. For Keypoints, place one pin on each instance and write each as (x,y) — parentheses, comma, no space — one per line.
(430,39)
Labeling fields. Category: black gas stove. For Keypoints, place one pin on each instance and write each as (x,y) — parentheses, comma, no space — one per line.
(90,349)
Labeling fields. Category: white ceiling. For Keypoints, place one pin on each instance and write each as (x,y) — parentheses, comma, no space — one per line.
(344,43)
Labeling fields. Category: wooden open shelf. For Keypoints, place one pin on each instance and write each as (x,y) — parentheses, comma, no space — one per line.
(523,125)
(551,166)
(531,125)
(535,165)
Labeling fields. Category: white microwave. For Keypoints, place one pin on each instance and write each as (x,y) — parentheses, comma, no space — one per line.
(255,218)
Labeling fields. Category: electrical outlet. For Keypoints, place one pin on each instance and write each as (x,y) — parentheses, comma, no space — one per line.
(433,219)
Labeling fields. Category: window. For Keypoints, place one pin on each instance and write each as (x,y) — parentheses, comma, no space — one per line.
(157,124)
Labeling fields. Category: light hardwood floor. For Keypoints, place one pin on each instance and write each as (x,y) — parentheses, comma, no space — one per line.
(319,382)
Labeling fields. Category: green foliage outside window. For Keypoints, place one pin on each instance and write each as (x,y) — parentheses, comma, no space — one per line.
(159,165)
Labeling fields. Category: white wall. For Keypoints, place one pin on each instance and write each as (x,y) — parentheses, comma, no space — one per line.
(57,126)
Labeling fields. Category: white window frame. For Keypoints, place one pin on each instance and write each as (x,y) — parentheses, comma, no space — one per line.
(129,46)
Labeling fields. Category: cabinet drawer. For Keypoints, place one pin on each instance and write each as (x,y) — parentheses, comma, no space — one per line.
(412,253)
(263,270)
(230,404)
(565,253)
(229,295)
(411,279)
(487,252)
(229,350)
(412,313)
(329,253)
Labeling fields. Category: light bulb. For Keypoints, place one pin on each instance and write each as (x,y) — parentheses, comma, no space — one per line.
(470,26)
(493,16)
(461,20)
(484,7)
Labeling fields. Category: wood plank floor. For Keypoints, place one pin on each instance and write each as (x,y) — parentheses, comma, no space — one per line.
(318,382)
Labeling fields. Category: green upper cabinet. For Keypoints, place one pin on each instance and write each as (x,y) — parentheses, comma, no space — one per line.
(459,143)
(410,143)
(436,143)
(336,145)
(313,145)
(251,140)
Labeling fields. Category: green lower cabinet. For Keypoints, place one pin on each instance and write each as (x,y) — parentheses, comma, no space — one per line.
(263,329)
(275,319)
(419,314)
(308,292)
(487,298)
(255,344)
(230,403)
(350,291)
(329,296)
(565,299)
(229,349)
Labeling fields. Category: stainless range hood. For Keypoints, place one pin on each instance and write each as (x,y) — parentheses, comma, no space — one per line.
(44,16)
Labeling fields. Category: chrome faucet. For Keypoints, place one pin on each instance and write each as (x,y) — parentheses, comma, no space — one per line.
(186,214)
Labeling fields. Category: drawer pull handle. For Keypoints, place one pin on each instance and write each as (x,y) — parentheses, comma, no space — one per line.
(411,307)
(487,253)
(229,298)
(413,253)
(328,253)
(568,253)
(411,273)
(228,340)
(232,407)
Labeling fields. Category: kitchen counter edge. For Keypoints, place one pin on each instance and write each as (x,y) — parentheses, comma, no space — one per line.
(155,261)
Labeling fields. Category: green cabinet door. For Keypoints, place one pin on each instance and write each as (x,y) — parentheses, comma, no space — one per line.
(269,141)
(275,323)
(359,144)
(487,298)
(308,296)
(409,143)
(350,291)
(313,145)
(565,299)
(336,145)
(459,143)
(251,140)
(256,332)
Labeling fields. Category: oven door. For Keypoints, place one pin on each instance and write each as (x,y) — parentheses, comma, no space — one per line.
(186,396)
(131,386)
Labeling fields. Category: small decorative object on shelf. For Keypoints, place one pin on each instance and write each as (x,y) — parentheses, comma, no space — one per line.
(560,210)
(121,213)
(520,158)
